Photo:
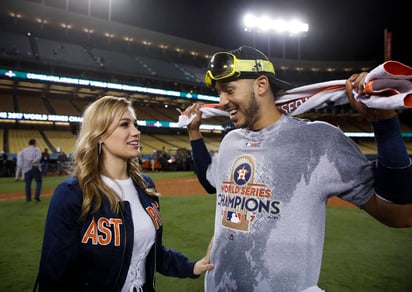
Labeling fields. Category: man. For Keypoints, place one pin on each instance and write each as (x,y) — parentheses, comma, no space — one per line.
(31,156)
(274,174)
(44,161)
(62,160)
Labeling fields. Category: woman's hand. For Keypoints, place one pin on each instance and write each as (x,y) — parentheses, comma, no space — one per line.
(204,264)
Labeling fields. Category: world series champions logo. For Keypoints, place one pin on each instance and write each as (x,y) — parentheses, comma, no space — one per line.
(242,199)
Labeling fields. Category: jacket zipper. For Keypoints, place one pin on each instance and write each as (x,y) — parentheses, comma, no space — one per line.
(124,249)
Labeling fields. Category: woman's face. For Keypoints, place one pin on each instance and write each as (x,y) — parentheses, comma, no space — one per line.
(124,141)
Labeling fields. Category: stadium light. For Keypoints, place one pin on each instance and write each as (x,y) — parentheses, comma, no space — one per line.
(265,24)
(293,27)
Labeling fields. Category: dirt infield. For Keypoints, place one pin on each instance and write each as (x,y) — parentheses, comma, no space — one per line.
(188,186)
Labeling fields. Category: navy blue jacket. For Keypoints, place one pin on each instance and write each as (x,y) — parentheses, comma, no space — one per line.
(95,254)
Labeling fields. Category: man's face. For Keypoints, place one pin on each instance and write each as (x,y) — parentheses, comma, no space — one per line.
(239,100)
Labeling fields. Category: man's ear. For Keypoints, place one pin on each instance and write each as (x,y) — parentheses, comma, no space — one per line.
(262,84)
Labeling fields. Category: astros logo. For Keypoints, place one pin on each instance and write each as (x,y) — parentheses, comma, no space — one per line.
(243,170)
(242,174)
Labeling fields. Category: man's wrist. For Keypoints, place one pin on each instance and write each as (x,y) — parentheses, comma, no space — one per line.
(377,116)
(194,134)
(392,152)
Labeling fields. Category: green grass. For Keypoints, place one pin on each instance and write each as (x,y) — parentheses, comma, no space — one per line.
(364,255)
(10,185)
(360,253)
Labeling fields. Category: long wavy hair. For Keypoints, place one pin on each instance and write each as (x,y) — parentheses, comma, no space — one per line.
(88,161)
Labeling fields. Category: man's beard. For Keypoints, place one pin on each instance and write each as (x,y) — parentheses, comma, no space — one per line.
(251,111)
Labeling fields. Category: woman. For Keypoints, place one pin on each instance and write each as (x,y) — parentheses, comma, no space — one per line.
(103,229)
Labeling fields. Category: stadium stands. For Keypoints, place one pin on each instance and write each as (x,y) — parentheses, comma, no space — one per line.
(19,139)
(15,45)
(63,140)
(58,140)
(7,103)
(31,104)
(56,51)
(63,106)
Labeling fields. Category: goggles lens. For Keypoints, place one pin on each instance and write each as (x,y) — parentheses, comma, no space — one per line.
(222,65)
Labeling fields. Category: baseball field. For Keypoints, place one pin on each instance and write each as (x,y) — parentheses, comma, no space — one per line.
(360,253)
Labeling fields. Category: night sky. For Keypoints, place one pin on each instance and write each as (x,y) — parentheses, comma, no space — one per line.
(348,30)
(338,30)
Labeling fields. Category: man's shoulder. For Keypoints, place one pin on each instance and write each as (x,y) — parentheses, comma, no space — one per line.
(310,124)
(25,150)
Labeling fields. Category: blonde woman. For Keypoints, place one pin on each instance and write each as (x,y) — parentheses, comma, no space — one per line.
(103,228)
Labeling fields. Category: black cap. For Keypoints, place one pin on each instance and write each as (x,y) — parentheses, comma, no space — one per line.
(250,53)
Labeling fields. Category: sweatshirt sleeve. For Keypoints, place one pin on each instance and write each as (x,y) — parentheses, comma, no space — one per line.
(393,167)
(201,161)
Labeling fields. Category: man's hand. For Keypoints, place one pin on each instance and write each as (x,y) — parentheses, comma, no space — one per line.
(356,83)
(193,127)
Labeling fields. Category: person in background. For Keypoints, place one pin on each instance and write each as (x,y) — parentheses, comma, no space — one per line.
(274,173)
(62,167)
(163,156)
(44,161)
(103,228)
(19,171)
(154,158)
(3,156)
(30,164)
(4,163)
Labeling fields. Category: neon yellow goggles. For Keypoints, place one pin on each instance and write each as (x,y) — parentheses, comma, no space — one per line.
(225,65)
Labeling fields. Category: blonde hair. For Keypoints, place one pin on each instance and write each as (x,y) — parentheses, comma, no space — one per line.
(97,119)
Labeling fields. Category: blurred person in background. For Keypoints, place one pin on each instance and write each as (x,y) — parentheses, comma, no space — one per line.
(44,161)
(103,228)
(62,163)
(274,174)
(154,159)
(30,164)
(19,171)
(4,164)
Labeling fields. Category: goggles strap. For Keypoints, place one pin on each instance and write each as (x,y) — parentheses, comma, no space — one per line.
(255,66)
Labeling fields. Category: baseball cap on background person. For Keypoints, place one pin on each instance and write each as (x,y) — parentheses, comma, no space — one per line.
(243,63)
